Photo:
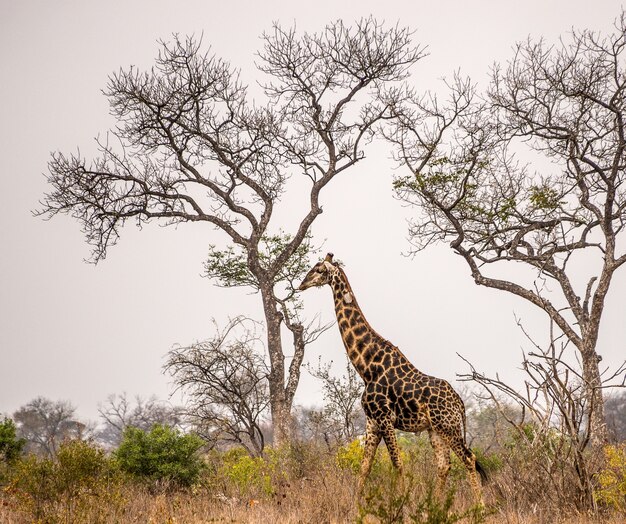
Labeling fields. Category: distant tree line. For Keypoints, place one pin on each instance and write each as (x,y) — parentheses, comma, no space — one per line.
(42,425)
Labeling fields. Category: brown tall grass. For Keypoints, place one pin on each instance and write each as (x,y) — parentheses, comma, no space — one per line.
(310,484)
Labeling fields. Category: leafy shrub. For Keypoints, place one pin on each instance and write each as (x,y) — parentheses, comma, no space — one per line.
(396,500)
(161,455)
(237,474)
(612,480)
(250,476)
(10,446)
(413,449)
(77,486)
(350,456)
(490,462)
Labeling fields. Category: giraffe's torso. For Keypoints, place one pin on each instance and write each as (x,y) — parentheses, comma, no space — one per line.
(414,401)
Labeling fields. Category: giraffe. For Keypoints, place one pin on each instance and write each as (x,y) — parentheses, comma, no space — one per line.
(397,395)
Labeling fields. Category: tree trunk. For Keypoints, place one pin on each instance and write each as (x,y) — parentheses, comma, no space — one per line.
(280,405)
(598,431)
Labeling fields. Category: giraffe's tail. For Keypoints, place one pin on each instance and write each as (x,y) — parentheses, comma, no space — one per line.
(481,471)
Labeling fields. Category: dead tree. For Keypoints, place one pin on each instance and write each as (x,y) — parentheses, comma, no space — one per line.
(554,412)
(562,109)
(45,424)
(190,146)
(225,380)
(119,412)
(341,419)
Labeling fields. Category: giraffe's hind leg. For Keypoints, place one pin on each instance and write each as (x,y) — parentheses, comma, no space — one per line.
(442,458)
(449,430)
(469,461)
(456,442)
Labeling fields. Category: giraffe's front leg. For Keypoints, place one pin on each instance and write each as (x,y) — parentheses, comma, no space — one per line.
(389,434)
(372,439)
(391,441)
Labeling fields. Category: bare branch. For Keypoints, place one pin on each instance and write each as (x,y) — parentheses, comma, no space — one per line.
(563,105)
(225,380)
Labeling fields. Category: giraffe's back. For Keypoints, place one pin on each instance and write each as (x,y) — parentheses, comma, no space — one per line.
(415,400)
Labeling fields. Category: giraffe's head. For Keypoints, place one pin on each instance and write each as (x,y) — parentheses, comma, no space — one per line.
(319,274)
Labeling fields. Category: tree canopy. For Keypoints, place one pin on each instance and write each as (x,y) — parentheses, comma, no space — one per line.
(190,145)
(531,171)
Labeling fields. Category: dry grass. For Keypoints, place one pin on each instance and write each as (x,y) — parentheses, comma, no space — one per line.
(312,501)
(305,487)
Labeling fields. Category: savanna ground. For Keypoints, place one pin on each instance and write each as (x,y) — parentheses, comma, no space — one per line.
(309,483)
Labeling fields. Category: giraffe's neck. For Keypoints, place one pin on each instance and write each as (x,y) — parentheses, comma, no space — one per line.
(364,346)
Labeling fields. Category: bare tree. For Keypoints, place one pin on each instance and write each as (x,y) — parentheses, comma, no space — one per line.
(119,412)
(488,424)
(549,236)
(226,381)
(341,419)
(45,424)
(554,401)
(190,147)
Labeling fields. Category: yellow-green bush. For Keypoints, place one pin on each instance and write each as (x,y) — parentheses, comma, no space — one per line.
(350,456)
(76,486)
(612,480)
(413,449)
(249,475)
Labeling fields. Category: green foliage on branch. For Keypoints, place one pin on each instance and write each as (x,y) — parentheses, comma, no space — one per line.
(229,267)
(544,197)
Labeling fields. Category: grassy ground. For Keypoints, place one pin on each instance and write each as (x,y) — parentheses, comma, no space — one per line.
(305,485)
(325,499)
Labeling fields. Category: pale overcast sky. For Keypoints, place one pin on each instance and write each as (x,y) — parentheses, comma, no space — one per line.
(71,330)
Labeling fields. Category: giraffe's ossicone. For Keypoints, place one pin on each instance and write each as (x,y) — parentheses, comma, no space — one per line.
(397,395)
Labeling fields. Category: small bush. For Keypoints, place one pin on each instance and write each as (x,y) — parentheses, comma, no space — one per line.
(350,456)
(10,446)
(397,501)
(612,479)
(250,476)
(490,462)
(413,449)
(162,455)
(81,485)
